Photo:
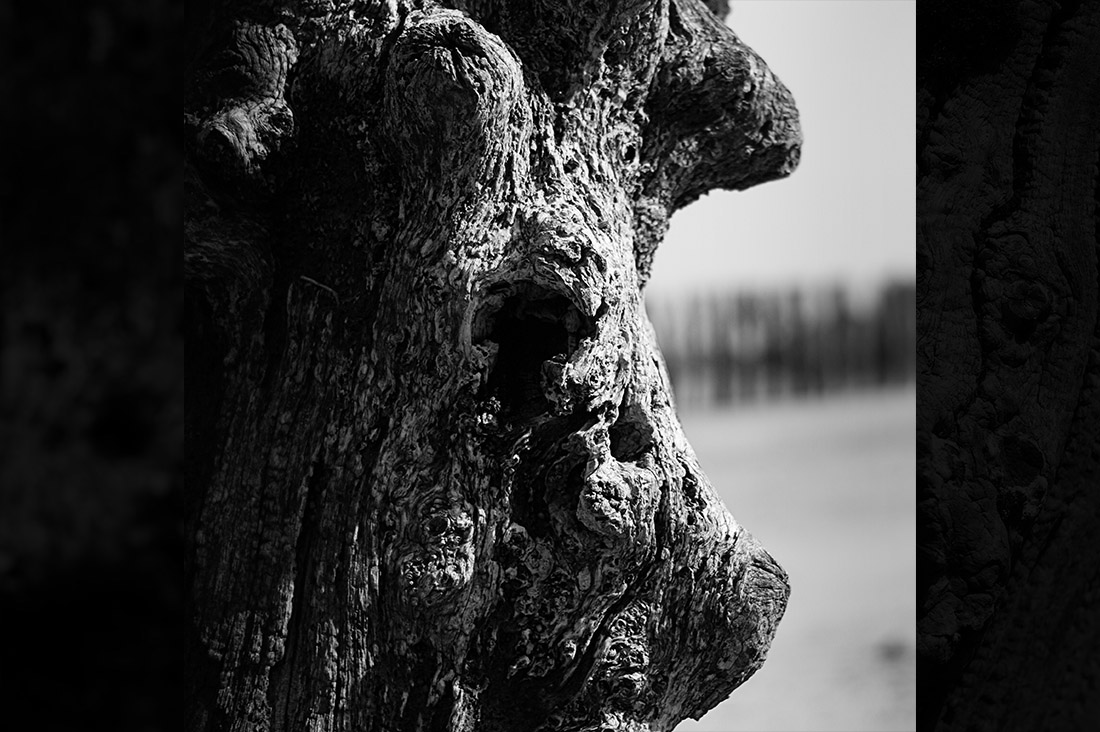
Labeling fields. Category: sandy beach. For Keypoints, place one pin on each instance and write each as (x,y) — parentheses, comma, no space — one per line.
(828,487)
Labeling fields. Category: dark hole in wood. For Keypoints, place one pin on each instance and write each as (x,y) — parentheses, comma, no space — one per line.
(531,328)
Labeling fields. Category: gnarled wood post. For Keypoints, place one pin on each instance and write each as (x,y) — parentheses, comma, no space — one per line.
(435,476)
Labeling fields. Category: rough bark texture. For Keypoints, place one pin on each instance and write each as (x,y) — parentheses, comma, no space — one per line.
(435,479)
(1009,360)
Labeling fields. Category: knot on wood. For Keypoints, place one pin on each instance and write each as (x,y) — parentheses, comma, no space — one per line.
(1018,284)
(240,138)
(718,109)
(557,231)
(439,563)
(450,90)
(1026,304)
(740,600)
(615,502)
(1020,494)
(248,76)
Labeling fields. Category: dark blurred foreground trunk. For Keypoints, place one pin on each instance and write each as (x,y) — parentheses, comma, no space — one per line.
(1009,366)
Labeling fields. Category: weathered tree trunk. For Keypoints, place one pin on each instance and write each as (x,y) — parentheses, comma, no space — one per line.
(435,479)
(1009,365)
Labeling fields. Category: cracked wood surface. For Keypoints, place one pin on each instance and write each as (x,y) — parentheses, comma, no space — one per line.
(435,475)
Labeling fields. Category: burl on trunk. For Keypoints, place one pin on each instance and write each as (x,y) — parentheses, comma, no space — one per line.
(435,477)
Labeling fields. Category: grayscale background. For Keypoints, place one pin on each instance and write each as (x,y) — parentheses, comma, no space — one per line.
(786,316)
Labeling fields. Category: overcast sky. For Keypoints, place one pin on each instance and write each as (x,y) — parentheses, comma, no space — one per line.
(847,212)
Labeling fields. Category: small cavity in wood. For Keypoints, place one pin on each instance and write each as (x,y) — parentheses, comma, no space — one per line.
(536,332)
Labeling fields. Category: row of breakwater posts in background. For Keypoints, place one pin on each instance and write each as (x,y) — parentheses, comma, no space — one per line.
(736,347)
